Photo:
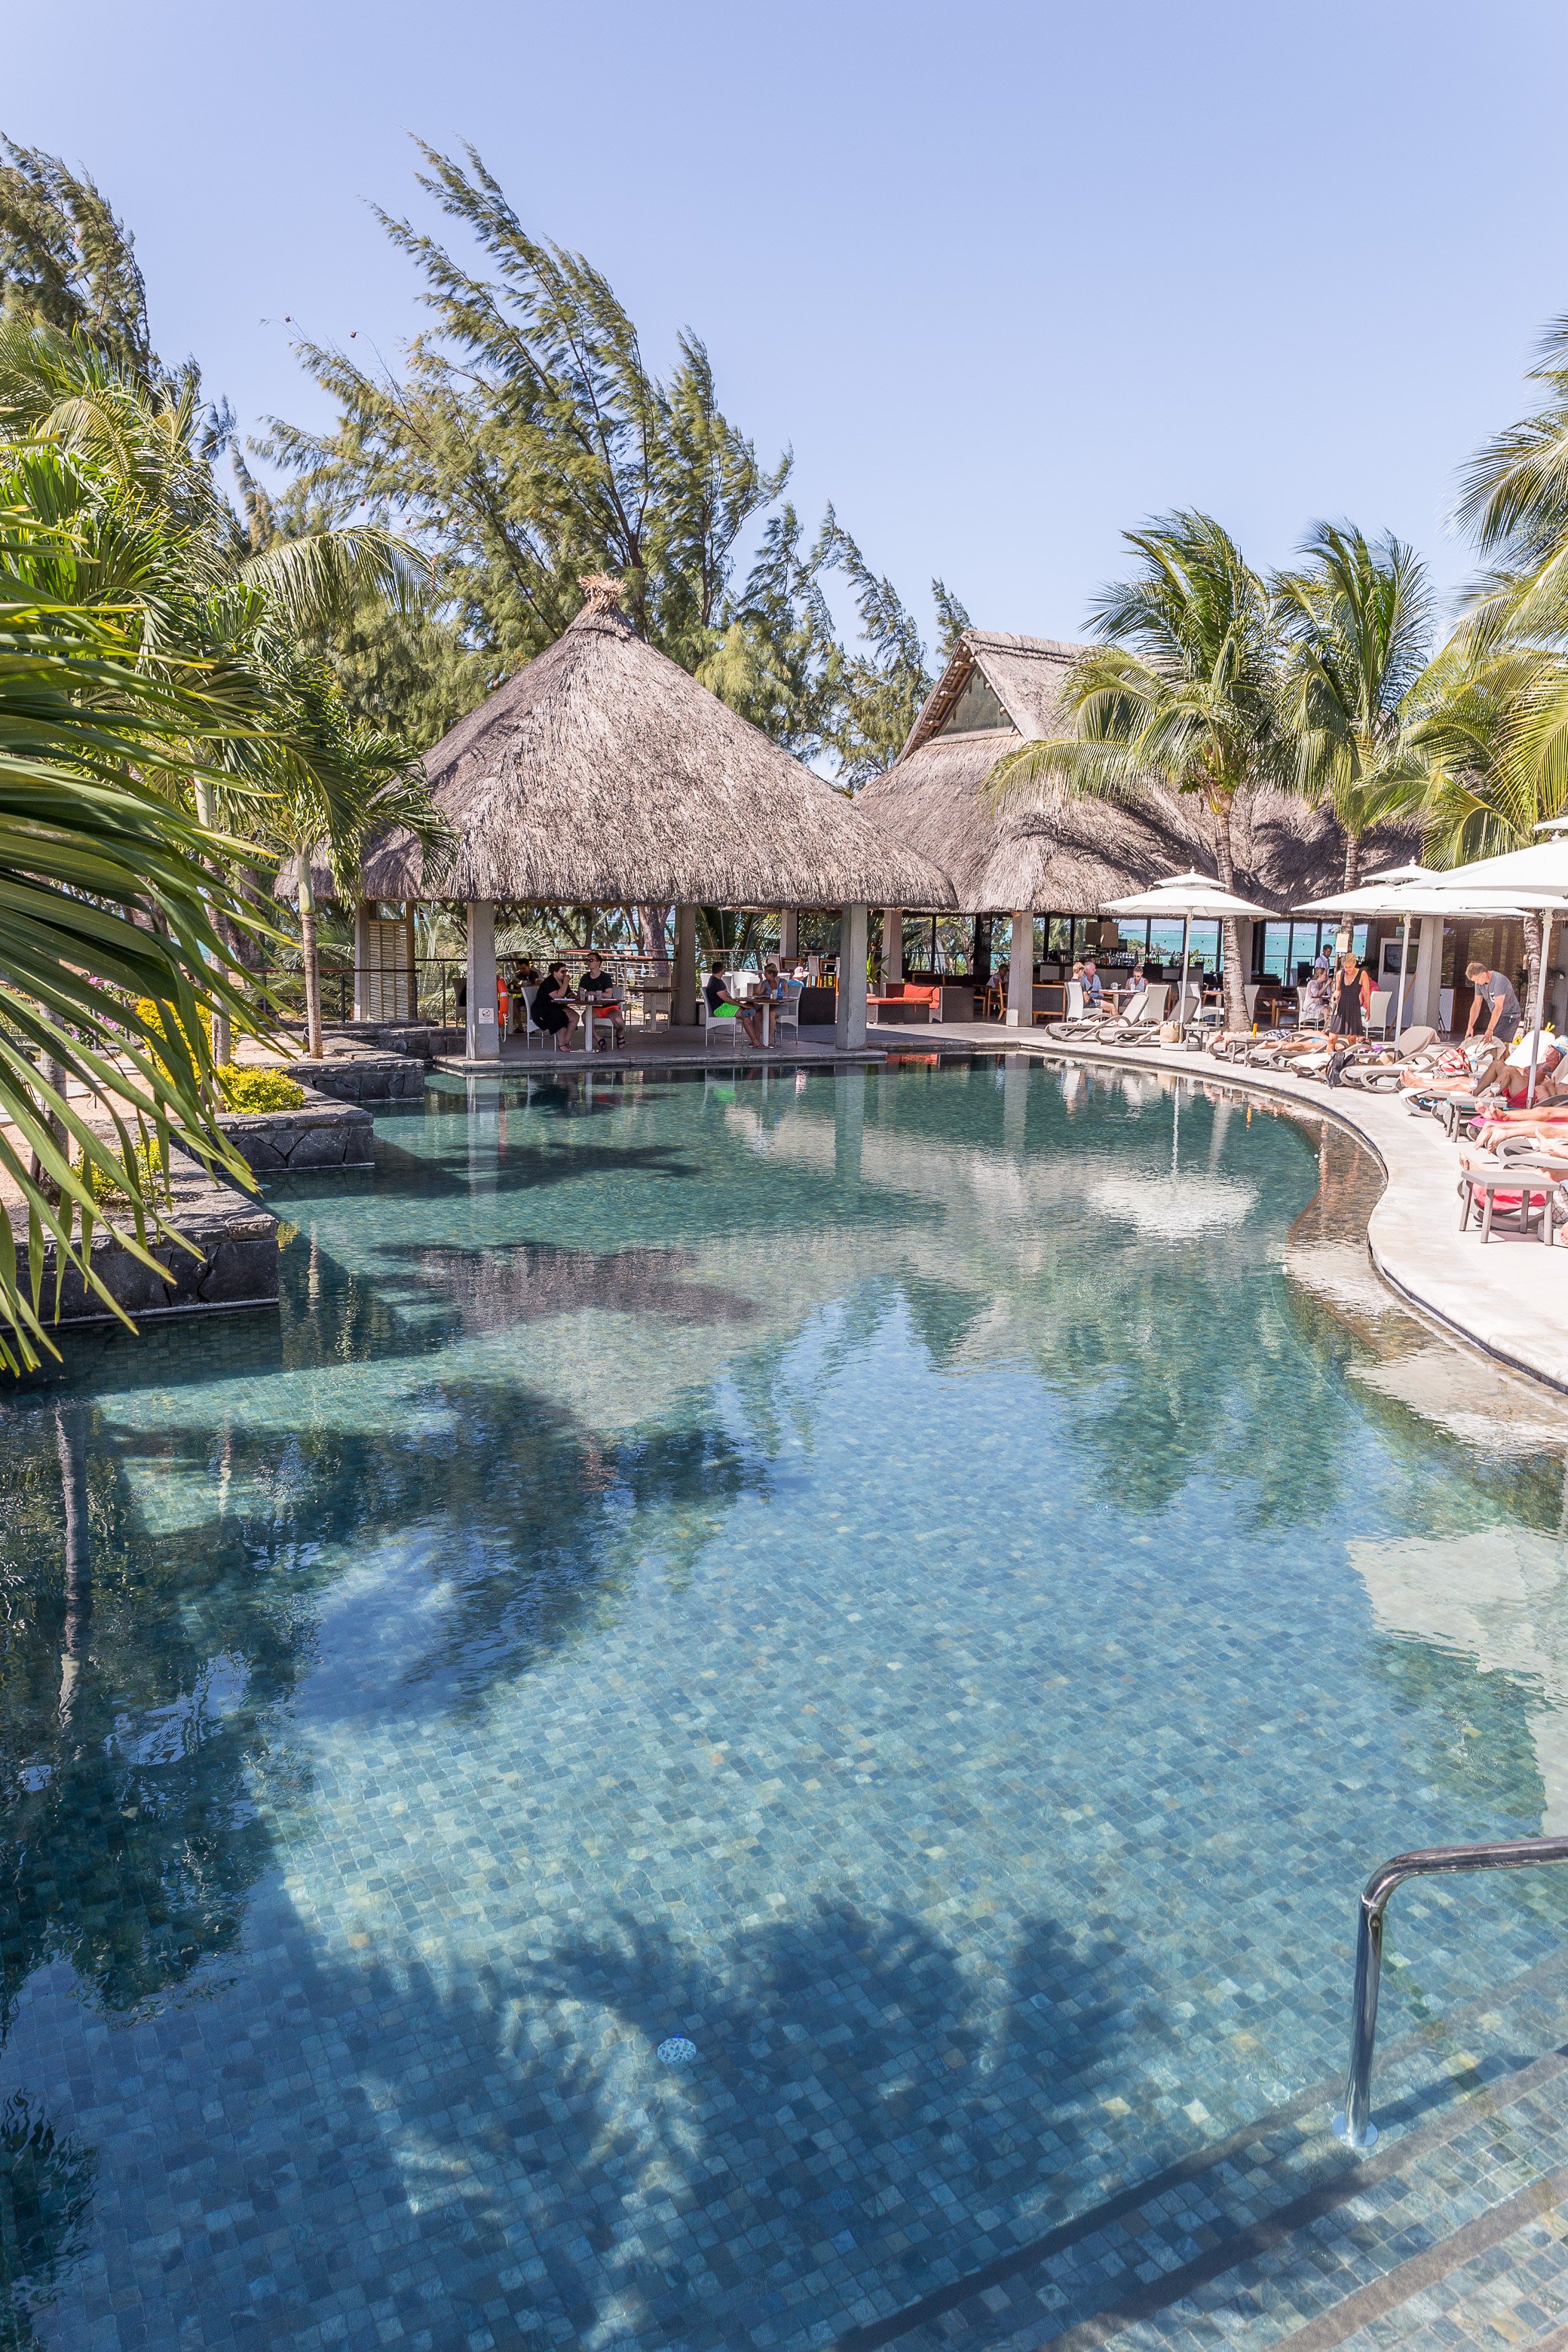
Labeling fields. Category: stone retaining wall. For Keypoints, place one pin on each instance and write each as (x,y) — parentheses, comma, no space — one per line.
(235,1264)
(363,1077)
(322,1133)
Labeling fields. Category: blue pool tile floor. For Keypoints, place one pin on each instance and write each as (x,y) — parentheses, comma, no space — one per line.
(916,1583)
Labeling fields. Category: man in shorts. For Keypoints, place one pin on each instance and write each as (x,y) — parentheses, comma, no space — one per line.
(1495,990)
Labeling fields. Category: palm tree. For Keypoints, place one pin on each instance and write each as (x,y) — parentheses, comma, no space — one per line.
(342,784)
(1486,738)
(1514,497)
(1356,618)
(105,900)
(1184,690)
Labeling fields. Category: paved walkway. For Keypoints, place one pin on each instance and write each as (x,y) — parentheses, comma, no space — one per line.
(1509,1297)
(672,1049)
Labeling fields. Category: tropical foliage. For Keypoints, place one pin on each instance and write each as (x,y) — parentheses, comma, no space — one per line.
(1355,616)
(1185,688)
(164,717)
(527,440)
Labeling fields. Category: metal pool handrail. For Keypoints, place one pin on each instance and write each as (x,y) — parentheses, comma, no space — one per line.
(1354,2124)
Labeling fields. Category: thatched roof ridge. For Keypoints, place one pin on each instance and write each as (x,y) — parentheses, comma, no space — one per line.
(1025,674)
(1067,855)
(603,774)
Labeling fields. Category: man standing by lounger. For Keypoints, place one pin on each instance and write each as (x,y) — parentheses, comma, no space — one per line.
(1496,993)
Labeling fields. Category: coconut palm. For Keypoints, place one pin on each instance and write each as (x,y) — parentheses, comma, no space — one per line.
(340,786)
(1356,619)
(1514,498)
(1184,691)
(105,901)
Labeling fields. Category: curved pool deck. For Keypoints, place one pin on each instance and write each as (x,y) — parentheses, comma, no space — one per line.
(1507,1298)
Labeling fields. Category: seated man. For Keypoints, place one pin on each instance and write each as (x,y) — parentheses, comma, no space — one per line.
(602,989)
(1093,987)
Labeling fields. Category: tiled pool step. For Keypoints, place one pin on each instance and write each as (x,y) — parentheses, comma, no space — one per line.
(1278,2236)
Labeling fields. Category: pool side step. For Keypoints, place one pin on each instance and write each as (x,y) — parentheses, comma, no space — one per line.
(1265,2238)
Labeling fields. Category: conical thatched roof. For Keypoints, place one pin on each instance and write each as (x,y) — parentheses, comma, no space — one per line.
(1067,857)
(603,775)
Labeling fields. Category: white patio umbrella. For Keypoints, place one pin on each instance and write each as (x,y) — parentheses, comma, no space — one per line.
(1536,878)
(1199,897)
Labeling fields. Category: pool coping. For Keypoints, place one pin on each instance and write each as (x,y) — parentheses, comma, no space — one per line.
(1507,1299)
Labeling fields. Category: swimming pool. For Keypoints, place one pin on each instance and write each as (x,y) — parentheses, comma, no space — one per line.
(916,1595)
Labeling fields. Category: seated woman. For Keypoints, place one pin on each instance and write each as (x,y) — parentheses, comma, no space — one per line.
(597,985)
(749,1013)
(553,1010)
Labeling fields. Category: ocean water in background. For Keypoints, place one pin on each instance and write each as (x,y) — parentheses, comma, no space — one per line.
(758,1691)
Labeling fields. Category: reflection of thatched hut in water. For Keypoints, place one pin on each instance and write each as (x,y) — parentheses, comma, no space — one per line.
(603,774)
(1064,857)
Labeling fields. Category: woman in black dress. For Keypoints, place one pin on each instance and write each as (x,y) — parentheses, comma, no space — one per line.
(553,1010)
(1352,999)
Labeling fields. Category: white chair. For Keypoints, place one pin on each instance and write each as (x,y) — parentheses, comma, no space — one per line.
(608,1009)
(1250,995)
(1377,1011)
(531,1027)
(713,1021)
(786,1013)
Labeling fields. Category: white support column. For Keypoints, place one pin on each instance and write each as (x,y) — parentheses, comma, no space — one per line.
(1423,1006)
(484,1036)
(789,936)
(892,944)
(850,1027)
(683,1000)
(1021,971)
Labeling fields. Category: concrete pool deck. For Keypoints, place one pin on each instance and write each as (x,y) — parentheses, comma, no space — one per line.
(1509,1298)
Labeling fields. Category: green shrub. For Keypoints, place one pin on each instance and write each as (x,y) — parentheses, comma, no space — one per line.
(148,1161)
(258,1089)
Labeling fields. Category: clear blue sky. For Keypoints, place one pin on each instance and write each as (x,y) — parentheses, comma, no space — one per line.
(1007,278)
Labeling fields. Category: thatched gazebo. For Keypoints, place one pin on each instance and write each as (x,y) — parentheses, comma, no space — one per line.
(1068,856)
(603,774)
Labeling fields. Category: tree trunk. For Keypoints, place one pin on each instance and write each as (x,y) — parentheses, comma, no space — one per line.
(309,959)
(653,938)
(1533,945)
(1352,860)
(1235,979)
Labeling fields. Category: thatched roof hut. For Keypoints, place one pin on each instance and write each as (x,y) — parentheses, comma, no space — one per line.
(603,775)
(1068,856)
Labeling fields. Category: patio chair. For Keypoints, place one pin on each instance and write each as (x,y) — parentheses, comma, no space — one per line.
(1377,1011)
(1417,1050)
(1078,1024)
(1133,1026)
(711,1020)
(786,1013)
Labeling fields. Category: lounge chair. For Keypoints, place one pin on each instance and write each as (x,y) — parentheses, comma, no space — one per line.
(1138,1022)
(1417,1050)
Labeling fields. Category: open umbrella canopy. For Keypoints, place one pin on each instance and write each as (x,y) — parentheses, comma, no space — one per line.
(1415,898)
(1534,876)
(1197,895)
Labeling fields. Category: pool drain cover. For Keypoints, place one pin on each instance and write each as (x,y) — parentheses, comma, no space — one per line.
(677,2051)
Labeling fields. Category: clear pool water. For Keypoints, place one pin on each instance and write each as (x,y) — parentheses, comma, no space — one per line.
(758,1691)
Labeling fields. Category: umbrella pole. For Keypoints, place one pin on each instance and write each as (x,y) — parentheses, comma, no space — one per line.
(1540,999)
(1181,992)
(1404,961)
